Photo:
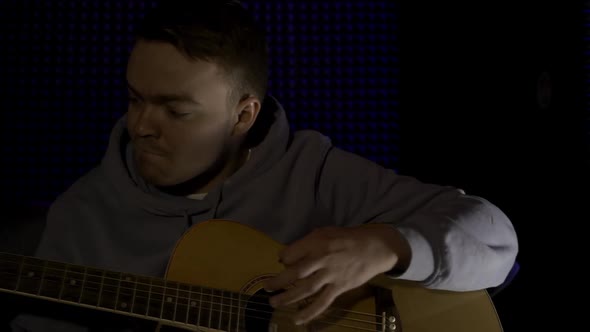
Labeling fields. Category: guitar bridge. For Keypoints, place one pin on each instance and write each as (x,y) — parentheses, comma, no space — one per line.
(385,304)
(388,323)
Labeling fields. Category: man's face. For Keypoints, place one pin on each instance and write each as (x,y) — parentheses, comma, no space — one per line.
(178,117)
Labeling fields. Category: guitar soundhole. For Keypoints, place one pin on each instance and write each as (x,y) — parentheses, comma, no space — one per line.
(259,312)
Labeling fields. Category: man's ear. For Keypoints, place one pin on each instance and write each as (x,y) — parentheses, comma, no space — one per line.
(245,115)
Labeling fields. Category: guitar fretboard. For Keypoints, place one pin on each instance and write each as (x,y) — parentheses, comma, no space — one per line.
(123,293)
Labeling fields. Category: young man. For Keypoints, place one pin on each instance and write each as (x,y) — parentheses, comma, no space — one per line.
(203,140)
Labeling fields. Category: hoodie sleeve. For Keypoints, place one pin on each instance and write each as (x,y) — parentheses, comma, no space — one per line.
(458,242)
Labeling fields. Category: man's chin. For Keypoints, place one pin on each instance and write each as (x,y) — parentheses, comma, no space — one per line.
(156,179)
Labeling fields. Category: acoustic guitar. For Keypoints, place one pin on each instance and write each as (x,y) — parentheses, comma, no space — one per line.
(214,282)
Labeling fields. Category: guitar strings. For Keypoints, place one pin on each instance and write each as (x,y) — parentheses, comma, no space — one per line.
(373,325)
(263,298)
(221,305)
(212,309)
(152,286)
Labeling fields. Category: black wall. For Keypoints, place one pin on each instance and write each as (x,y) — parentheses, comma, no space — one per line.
(493,100)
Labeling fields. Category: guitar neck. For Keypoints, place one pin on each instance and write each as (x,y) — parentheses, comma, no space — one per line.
(123,293)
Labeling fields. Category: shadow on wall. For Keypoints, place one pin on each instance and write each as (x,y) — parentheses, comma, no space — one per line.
(20,229)
(20,232)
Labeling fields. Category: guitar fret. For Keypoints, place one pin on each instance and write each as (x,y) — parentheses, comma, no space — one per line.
(183,303)
(101,286)
(147,310)
(237,314)
(84,275)
(19,273)
(221,299)
(157,298)
(188,305)
(230,310)
(163,300)
(134,294)
(108,296)
(210,298)
(92,289)
(71,287)
(42,276)
(142,295)
(28,278)
(63,284)
(118,291)
(53,279)
(176,301)
(125,294)
(170,300)
(9,271)
(239,319)
(235,311)
(200,306)
(193,310)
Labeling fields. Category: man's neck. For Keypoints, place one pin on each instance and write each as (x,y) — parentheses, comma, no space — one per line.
(205,182)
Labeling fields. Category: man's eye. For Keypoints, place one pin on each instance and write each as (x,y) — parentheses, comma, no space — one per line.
(177,114)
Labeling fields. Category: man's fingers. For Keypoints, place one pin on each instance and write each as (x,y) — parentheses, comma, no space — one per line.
(303,289)
(296,251)
(306,245)
(318,306)
(290,275)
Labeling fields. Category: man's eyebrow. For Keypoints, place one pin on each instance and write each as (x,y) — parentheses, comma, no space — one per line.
(166,98)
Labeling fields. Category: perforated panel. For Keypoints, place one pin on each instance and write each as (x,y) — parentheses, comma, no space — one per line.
(334,67)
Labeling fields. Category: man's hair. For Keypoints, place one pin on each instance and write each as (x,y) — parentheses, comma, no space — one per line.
(218,31)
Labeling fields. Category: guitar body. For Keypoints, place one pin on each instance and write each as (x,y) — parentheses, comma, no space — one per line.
(230,256)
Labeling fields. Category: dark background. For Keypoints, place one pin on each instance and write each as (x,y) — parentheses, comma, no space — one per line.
(494,99)
(487,96)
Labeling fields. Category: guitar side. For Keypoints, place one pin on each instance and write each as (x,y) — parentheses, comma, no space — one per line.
(226,255)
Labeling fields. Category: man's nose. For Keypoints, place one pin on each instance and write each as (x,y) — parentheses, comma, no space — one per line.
(147,122)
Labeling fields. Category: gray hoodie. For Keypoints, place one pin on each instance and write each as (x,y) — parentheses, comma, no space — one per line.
(293,182)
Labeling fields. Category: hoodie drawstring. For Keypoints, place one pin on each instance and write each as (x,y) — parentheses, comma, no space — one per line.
(189,221)
(217,203)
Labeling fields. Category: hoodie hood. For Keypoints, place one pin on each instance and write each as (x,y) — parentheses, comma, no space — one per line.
(268,140)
